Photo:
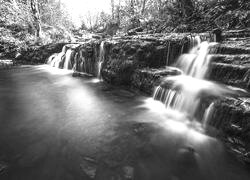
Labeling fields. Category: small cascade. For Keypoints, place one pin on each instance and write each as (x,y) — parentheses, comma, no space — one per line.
(168,53)
(81,62)
(194,41)
(67,62)
(185,93)
(196,63)
(56,60)
(101,60)
(208,114)
(189,43)
(61,60)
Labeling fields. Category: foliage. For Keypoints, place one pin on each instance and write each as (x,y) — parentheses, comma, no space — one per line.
(177,15)
(17,26)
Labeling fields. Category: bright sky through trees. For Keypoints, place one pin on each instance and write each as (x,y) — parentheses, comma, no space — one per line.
(82,8)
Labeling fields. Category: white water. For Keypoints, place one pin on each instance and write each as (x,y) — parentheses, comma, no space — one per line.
(67,62)
(194,41)
(101,60)
(183,93)
(168,53)
(208,114)
(55,60)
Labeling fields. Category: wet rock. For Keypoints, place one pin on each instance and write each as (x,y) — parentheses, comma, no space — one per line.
(89,166)
(128,173)
(230,74)
(217,35)
(41,54)
(229,49)
(236,33)
(186,156)
(232,117)
(247,158)
(242,59)
(3,167)
(147,79)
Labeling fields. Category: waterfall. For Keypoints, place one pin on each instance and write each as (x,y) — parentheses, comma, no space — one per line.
(196,63)
(194,41)
(67,62)
(183,93)
(55,60)
(168,53)
(208,114)
(80,62)
(101,60)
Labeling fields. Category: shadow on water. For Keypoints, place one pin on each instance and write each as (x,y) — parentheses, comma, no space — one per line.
(54,127)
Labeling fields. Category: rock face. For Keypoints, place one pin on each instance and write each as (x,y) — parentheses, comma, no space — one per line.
(148,78)
(140,62)
(6,64)
(124,57)
(231,66)
(37,55)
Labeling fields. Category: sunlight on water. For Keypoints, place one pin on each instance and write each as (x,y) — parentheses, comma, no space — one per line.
(54,70)
(95,80)
(155,106)
(192,131)
(77,96)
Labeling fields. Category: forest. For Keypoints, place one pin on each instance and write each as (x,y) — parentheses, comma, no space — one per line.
(31,22)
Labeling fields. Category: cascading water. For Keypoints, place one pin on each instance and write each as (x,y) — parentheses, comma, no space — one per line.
(56,60)
(194,41)
(196,63)
(184,93)
(101,60)
(67,62)
(168,53)
(207,114)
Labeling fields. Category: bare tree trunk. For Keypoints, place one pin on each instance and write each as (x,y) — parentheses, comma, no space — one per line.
(132,7)
(187,7)
(113,9)
(36,16)
(118,13)
(143,6)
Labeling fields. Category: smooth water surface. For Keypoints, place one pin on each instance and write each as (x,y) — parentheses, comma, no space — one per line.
(50,122)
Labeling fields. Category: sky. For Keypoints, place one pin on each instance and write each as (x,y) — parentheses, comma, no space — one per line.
(81,8)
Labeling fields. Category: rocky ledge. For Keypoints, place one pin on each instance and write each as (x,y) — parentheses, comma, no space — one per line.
(6,63)
(140,62)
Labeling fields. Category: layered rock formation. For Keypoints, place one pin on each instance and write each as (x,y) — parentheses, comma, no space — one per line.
(140,62)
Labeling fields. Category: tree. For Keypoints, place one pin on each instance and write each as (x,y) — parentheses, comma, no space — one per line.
(36,16)
(143,6)
(113,9)
(187,7)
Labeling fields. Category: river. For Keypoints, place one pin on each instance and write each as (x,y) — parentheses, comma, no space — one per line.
(52,122)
